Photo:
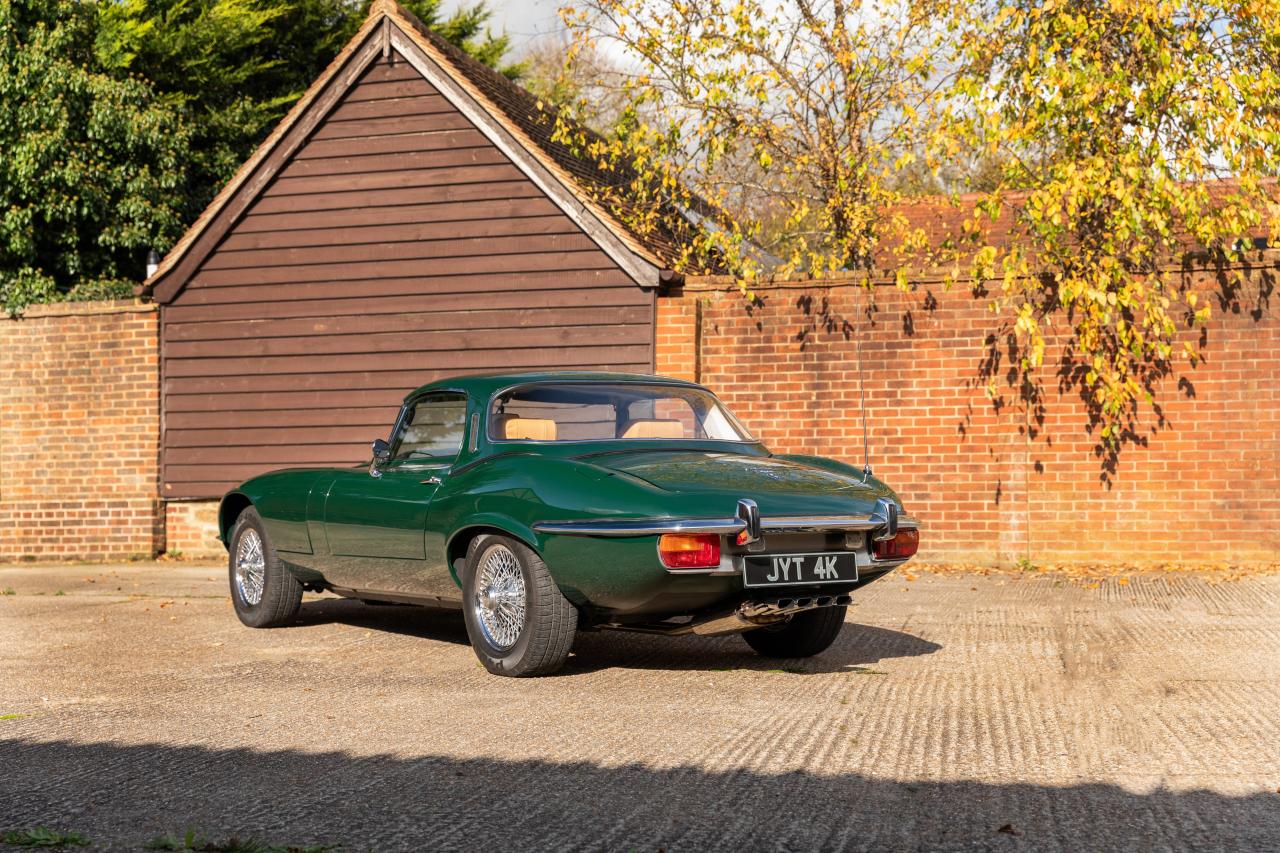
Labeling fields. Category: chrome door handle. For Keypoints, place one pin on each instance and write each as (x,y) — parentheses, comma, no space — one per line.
(432,481)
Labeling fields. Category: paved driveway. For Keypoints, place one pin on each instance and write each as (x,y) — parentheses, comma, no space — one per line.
(955,713)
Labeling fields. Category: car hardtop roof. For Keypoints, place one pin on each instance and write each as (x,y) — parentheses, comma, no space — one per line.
(486,384)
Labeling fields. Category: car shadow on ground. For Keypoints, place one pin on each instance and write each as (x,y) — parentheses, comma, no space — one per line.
(427,623)
(122,796)
(856,650)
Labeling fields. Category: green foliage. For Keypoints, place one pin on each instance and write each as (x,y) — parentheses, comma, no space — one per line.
(212,63)
(43,837)
(91,161)
(121,119)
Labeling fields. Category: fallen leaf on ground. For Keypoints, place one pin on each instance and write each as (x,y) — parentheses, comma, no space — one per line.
(1009,829)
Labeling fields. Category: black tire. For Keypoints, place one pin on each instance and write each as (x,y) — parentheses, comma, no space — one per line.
(281,594)
(547,629)
(805,635)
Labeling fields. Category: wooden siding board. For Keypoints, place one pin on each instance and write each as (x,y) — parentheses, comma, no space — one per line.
(352,390)
(447,247)
(433,140)
(389,216)
(269,436)
(370,90)
(393,125)
(557,352)
(185,357)
(313,452)
(366,199)
(472,166)
(415,104)
(230,425)
(405,161)
(284,401)
(414,232)
(356,325)
(233,473)
(416,287)
(365,304)
(395,247)
(479,265)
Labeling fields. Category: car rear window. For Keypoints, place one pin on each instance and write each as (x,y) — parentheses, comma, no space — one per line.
(582,411)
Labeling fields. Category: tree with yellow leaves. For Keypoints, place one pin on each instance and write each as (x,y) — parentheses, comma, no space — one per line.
(1125,134)
(778,126)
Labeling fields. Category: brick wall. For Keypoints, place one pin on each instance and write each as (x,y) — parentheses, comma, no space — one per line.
(191,529)
(79,429)
(79,426)
(1206,488)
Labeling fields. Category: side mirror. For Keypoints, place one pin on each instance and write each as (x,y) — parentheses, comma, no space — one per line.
(381,453)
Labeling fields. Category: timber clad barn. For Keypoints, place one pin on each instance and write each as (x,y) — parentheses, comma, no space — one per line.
(412,218)
(408,220)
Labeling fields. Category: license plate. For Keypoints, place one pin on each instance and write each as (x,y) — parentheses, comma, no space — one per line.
(794,569)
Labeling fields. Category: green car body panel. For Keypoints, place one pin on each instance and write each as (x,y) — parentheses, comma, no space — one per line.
(403,535)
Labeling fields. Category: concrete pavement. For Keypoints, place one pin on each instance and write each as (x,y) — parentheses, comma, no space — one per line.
(956,712)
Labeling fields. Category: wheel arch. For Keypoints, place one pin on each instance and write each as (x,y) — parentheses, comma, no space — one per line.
(460,540)
(233,503)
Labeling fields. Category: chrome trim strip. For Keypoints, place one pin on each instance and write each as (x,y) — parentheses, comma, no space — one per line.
(818,522)
(641,526)
(723,526)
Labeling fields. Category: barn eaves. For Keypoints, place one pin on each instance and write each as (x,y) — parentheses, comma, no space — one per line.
(505,113)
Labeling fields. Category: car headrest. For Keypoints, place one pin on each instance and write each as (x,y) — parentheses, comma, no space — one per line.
(654,429)
(516,428)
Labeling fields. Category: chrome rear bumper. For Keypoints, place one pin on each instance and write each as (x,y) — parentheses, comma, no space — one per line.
(884,520)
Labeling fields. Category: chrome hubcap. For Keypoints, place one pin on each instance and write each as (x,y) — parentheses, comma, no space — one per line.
(499,600)
(251,567)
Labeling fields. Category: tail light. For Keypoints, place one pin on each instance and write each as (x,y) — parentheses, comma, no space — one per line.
(689,550)
(899,547)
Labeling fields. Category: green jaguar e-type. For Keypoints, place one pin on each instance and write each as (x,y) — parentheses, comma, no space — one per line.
(548,503)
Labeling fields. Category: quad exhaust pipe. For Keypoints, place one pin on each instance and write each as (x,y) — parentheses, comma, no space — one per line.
(744,617)
(757,614)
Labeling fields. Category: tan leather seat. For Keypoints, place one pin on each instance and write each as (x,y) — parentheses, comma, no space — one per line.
(515,428)
(653,429)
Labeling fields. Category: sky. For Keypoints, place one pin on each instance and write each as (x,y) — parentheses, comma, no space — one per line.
(524,20)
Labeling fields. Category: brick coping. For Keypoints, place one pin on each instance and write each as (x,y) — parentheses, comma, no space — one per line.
(82,309)
(933,275)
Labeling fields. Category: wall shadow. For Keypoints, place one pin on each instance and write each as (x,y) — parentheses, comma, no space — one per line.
(856,649)
(122,796)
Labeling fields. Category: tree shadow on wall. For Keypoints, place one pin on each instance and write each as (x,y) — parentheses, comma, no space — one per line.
(1001,375)
(1002,371)
(123,796)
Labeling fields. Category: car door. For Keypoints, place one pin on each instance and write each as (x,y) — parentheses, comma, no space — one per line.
(375,518)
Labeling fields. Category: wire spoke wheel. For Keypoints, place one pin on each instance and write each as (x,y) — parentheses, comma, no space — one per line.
(500,598)
(251,567)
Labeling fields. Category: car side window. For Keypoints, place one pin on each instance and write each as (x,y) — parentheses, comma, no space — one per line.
(433,429)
